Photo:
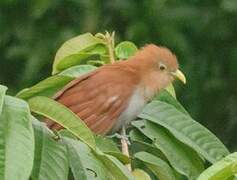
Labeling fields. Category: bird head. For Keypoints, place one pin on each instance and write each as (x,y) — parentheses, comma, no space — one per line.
(159,66)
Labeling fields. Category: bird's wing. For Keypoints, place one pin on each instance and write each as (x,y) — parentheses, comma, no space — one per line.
(98,98)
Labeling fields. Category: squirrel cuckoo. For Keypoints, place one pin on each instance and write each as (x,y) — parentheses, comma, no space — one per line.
(114,94)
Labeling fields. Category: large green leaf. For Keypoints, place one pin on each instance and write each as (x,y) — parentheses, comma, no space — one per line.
(125,49)
(176,152)
(142,143)
(84,164)
(50,160)
(63,116)
(222,169)
(3,90)
(158,166)
(16,140)
(76,71)
(76,59)
(48,87)
(75,45)
(186,130)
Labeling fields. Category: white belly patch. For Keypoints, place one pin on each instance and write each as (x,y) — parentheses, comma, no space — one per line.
(135,106)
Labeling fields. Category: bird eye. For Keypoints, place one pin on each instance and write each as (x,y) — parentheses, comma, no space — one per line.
(162,67)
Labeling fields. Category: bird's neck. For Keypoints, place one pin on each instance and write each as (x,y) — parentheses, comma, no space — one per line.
(138,67)
(148,79)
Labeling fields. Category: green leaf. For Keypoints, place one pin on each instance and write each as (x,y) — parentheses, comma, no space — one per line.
(76,59)
(3,90)
(47,87)
(50,160)
(141,143)
(74,46)
(117,169)
(105,144)
(84,164)
(222,169)
(120,156)
(63,116)
(159,167)
(176,152)
(140,175)
(165,96)
(137,136)
(16,140)
(108,146)
(100,49)
(185,129)
(66,133)
(125,49)
(79,70)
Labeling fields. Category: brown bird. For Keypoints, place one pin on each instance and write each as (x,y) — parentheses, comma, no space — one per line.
(114,94)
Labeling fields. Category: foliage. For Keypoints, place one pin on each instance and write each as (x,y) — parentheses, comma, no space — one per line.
(201,33)
(223,169)
(16,134)
(166,143)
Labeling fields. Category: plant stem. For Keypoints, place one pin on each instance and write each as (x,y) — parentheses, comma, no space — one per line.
(124,143)
(110,45)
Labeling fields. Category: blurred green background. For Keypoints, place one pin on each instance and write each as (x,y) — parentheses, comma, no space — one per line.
(203,35)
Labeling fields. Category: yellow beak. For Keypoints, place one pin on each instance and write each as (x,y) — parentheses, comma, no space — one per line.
(179,75)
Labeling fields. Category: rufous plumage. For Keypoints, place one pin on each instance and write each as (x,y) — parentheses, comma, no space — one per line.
(114,94)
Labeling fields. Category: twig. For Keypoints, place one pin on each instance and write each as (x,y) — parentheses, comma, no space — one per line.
(124,144)
(110,45)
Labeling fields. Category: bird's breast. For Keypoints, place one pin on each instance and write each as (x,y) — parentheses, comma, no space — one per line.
(134,107)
